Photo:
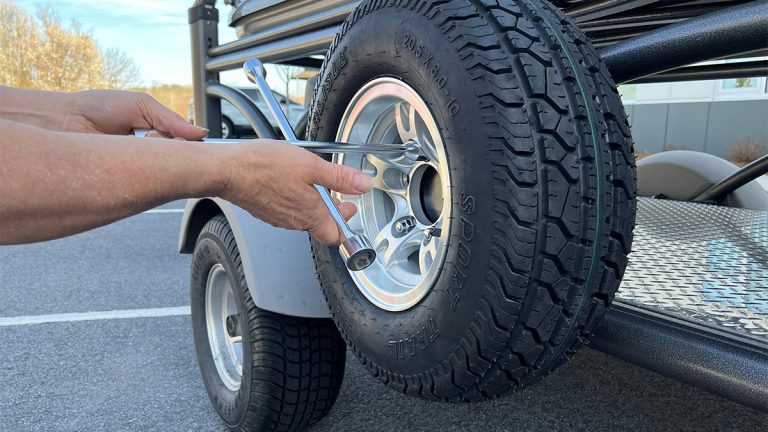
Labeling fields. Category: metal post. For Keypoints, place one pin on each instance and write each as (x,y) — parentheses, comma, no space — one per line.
(204,31)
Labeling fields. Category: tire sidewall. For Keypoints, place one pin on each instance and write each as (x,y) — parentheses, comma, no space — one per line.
(413,341)
(231,406)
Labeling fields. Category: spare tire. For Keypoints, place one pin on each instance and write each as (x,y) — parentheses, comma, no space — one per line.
(499,253)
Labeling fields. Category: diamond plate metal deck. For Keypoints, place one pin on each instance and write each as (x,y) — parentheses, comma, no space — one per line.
(704,263)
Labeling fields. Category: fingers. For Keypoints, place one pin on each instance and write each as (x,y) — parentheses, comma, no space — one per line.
(163,120)
(347,209)
(340,178)
(156,134)
(327,232)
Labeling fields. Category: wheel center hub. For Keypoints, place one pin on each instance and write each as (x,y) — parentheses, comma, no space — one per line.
(425,193)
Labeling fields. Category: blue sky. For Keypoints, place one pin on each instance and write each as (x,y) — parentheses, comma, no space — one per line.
(154,33)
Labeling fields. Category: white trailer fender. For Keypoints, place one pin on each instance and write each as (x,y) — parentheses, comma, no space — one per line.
(277,263)
(682,175)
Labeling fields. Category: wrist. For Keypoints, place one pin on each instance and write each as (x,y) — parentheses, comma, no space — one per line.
(43,109)
(215,168)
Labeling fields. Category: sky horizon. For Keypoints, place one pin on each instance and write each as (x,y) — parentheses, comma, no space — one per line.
(155,34)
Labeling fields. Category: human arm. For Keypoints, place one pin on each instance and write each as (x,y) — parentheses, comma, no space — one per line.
(111,112)
(54,184)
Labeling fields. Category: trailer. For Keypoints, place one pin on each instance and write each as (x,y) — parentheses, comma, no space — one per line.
(524,232)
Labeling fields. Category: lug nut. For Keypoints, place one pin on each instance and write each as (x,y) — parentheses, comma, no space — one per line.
(232,327)
(405,225)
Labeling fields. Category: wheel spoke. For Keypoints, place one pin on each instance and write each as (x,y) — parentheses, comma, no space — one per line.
(405,119)
(355,222)
(237,347)
(427,253)
(393,250)
(388,176)
(401,206)
(427,145)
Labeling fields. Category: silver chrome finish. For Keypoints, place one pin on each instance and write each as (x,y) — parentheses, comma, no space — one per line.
(704,263)
(327,147)
(257,16)
(355,248)
(413,152)
(226,344)
(408,260)
(292,47)
(267,31)
(357,252)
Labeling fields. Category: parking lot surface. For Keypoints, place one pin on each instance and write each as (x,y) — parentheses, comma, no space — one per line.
(95,335)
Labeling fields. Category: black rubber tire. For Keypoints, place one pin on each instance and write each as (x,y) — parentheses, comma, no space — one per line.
(543,191)
(232,134)
(294,371)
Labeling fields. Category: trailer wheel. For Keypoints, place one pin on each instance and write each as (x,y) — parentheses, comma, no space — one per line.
(227,128)
(498,255)
(263,371)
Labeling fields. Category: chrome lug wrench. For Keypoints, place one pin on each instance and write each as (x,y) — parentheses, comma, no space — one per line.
(356,249)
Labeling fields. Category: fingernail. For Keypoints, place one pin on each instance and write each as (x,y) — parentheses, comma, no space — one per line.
(362,182)
(202,128)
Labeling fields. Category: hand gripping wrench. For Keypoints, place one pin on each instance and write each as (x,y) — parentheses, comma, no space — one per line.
(356,249)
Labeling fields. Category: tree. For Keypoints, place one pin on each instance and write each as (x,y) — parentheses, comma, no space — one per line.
(19,45)
(119,70)
(42,53)
(286,73)
(68,60)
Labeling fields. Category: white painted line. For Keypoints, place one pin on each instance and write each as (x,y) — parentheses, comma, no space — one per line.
(93,316)
(164,211)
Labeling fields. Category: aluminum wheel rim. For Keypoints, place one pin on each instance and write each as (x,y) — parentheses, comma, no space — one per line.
(226,349)
(407,265)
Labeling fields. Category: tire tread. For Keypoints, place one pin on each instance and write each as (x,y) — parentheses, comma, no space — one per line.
(566,182)
(298,363)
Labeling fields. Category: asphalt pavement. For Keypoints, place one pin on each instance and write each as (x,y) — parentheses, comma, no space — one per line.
(134,368)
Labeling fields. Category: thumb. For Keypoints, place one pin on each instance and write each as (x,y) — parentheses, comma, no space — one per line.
(341,178)
(165,120)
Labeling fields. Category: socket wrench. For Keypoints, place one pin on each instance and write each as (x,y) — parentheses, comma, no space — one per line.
(355,248)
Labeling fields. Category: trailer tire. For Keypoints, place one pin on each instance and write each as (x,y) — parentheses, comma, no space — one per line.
(227,128)
(541,201)
(291,367)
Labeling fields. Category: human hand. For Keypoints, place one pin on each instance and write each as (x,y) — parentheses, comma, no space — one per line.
(118,112)
(274,181)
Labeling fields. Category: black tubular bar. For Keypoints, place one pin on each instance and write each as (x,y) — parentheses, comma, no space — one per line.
(729,31)
(245,105)
(734,181)
(747,69)
(719,362)
(646,18)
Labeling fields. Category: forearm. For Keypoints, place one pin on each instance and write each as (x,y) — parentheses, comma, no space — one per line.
(56,184)
(44,109)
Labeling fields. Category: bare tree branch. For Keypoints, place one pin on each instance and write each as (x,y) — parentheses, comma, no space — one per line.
(287,73)
(119,70)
